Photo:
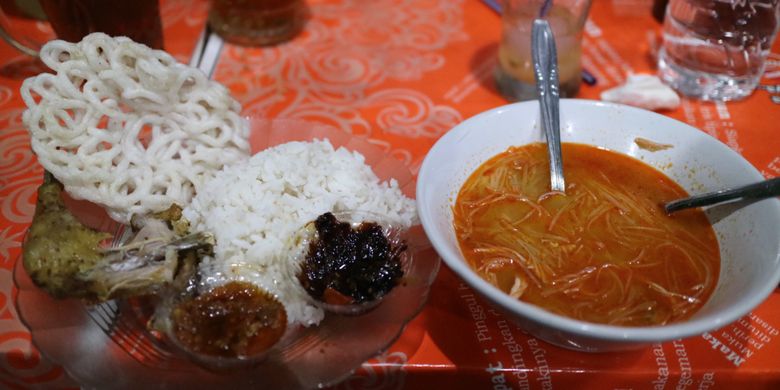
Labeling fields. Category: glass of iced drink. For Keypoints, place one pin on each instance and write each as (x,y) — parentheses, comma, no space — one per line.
(717,49)
(515,71)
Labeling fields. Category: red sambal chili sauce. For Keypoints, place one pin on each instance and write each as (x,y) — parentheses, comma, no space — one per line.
(237,319)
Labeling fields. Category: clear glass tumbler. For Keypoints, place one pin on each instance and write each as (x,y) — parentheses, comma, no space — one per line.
(72,20)
(717,49)
(257,22)
(515,72)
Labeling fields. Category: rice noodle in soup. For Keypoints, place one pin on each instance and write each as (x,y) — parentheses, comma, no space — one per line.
(603,252)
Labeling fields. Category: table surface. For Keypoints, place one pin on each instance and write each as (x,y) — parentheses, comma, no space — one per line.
(400,73)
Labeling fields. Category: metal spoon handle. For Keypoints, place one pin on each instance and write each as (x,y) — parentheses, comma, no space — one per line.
(760,190)
(546,70)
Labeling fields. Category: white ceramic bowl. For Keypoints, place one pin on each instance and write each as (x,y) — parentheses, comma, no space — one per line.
(748,236)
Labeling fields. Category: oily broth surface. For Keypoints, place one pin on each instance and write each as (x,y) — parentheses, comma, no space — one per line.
(604,252)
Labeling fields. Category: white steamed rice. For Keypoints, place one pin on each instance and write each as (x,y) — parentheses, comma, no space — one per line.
(255,208)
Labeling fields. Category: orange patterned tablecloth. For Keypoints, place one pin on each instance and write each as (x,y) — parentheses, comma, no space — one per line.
(401,73)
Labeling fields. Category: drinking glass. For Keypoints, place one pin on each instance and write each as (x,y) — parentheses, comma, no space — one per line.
(71,20)
(257,22)
(515,71)
(717,49)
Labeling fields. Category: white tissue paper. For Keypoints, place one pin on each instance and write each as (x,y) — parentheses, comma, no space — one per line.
(645,91)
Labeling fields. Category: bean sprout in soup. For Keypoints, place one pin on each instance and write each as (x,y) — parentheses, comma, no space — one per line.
(603,252)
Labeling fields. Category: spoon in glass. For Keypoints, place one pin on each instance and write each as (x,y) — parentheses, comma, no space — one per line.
(546,71)
(756,191)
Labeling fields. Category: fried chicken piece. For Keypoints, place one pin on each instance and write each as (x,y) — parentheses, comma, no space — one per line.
(69,260)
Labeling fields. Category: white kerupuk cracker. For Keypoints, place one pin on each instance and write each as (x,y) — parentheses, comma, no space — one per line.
(128,127)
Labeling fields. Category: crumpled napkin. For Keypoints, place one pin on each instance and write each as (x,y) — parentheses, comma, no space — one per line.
(645,91)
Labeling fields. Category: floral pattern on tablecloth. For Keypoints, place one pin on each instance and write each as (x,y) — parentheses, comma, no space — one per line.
(400,73)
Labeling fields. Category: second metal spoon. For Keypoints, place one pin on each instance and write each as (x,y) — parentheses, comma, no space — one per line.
(546,70)
(760,190)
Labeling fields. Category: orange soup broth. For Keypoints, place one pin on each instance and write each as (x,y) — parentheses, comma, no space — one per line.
(604,252)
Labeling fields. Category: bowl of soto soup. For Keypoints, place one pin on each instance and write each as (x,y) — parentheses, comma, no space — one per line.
(600,267)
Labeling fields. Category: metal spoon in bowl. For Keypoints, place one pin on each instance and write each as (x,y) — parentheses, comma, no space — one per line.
(755,191)
(546,71)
